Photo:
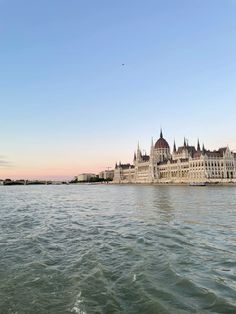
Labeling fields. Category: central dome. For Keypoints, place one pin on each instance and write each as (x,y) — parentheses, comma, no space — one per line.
(161,143)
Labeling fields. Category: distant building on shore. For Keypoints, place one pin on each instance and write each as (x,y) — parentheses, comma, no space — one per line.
(106,174)
(186,164)
(85,177)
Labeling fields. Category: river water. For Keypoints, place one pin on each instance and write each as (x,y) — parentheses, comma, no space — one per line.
(117,249)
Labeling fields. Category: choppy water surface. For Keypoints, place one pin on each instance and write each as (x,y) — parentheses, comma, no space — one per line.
(117,249)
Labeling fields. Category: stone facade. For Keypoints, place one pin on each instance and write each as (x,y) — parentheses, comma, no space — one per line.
(187,164)
(106,174)
(85,177)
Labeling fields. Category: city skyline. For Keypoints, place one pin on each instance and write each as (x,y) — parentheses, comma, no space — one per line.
(82,83)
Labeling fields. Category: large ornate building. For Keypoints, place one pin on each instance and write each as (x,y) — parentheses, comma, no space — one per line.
(186,164)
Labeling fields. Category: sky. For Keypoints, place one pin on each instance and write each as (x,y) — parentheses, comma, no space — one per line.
(82,81)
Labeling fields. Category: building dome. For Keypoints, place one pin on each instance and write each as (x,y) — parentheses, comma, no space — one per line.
(161,143)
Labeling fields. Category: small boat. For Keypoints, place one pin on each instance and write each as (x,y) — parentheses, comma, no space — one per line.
(197,183)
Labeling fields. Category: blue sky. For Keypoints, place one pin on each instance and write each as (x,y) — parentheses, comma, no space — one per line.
(69,105)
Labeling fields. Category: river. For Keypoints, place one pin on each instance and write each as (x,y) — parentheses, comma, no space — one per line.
(117,249)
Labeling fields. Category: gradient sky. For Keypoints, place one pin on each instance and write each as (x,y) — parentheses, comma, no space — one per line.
(68,105)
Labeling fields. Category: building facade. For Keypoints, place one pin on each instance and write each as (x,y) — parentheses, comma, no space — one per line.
(85,177)
(185,164)
(106,174)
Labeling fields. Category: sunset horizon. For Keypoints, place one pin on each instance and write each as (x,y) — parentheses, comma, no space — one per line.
(80,88)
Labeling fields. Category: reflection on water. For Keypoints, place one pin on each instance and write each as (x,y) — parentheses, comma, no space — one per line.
(117,249)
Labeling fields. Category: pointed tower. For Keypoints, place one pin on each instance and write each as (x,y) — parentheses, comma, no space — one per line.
(139,154)
(152,147)
(161,134)
(174,148)
(198,146)
(185,145)
(151,162)
(203,149)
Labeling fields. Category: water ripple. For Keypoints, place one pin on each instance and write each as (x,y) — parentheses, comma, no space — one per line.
(117,249)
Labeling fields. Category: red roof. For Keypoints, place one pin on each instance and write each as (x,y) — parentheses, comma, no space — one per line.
(161,143)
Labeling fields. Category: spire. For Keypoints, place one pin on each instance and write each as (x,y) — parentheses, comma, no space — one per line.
(184,142)
(138,150)
(161,134)
(152,148)
(138,154)
(134,156)
(198,146)
(174,148)
(203,149)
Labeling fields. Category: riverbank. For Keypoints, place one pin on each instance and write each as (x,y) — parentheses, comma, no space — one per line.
(179,184)
(10,182)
